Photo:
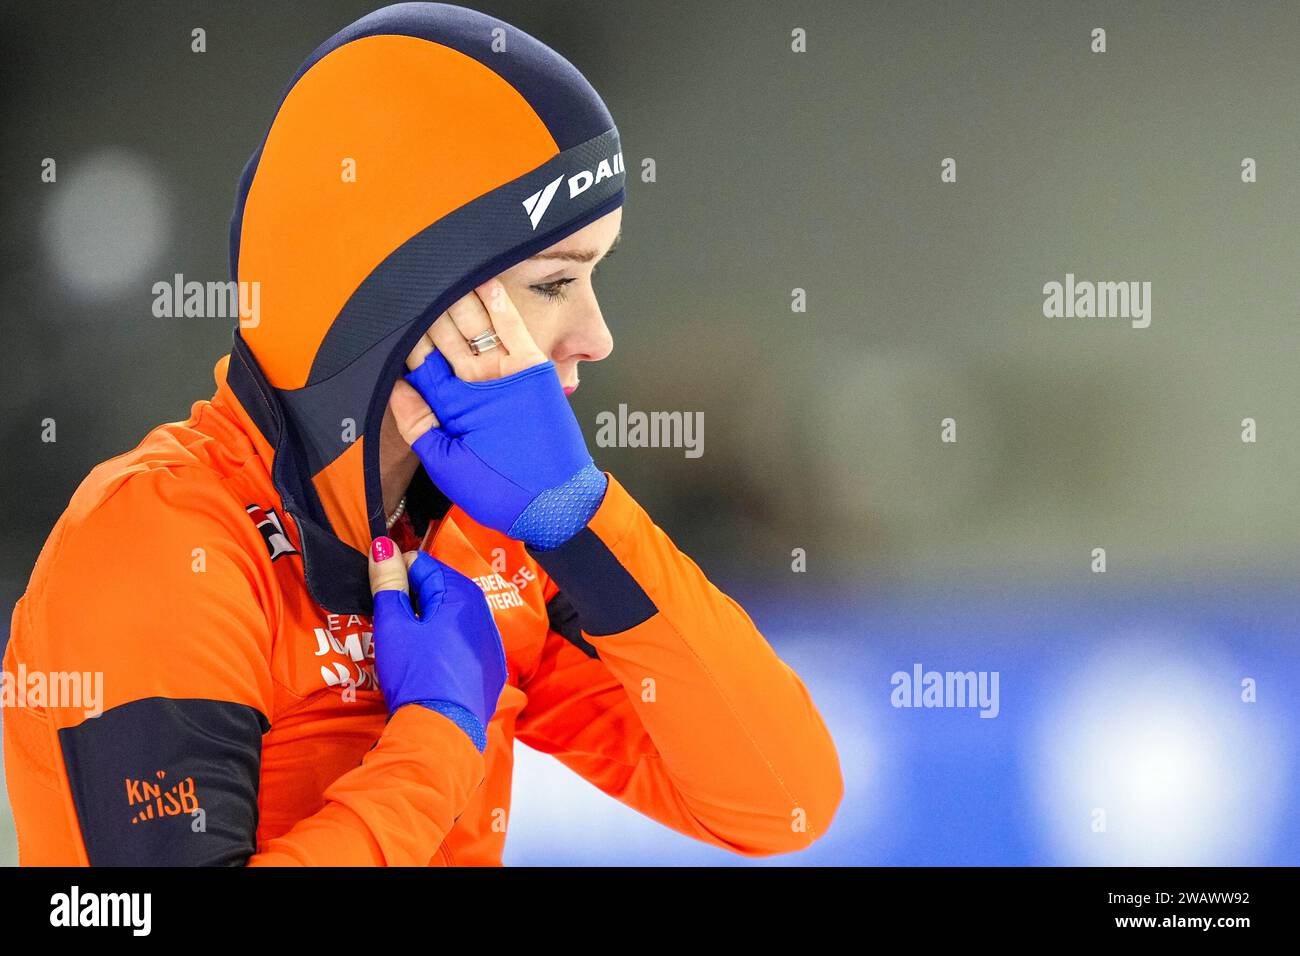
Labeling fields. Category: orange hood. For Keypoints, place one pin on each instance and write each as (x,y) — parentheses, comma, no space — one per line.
(417,153)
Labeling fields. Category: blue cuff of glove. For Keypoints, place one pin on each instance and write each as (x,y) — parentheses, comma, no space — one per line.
(461,717)
(558,513)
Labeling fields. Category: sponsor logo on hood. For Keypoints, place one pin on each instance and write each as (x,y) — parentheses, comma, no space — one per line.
(540,201)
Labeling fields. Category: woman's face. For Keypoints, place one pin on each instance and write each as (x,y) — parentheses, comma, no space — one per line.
(554,294)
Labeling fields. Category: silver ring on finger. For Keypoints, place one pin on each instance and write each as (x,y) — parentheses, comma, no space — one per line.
(484,342)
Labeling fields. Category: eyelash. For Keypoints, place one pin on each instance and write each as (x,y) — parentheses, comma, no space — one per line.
(552,291)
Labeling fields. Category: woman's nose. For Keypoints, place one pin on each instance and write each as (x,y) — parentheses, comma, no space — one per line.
(585,337)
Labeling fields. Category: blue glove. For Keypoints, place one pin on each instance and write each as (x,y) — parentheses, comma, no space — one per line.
(448,659)
(509,451)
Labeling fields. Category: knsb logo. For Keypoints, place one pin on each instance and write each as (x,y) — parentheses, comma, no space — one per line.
(155,803)
(540,201)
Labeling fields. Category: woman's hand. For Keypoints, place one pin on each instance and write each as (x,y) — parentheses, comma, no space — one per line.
(449,658)
(488,308)
(499,437)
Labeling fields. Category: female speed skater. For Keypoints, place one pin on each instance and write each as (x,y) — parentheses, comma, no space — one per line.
(326,605)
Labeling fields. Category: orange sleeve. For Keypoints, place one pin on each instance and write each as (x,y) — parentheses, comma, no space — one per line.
(659,690)
(394,809)
(164,594)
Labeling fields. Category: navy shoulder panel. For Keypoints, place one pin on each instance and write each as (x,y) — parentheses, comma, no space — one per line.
(608,600)
(162,782)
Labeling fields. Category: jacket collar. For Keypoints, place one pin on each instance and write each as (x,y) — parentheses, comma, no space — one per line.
(337,575)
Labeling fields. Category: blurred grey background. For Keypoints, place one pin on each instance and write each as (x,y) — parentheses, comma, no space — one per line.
(775,170)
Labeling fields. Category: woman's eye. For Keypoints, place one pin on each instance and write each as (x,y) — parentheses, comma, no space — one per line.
(553,291)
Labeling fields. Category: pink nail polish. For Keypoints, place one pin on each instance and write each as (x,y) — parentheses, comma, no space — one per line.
(382,549)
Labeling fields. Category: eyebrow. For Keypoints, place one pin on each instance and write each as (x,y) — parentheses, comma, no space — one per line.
(578,255)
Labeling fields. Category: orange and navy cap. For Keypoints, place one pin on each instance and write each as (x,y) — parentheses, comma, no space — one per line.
(416,154)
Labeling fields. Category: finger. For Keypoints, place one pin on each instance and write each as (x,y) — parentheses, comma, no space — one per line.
(507,321)
(470,316)
(419,351)
(426,576)
(443,337)
(447,460)
(411,413)
(446,336)
(387,568)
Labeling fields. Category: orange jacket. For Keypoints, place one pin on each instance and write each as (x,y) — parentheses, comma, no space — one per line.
(158,577)
(215,576)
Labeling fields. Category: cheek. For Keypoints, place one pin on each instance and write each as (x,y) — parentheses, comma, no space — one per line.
(536,320)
